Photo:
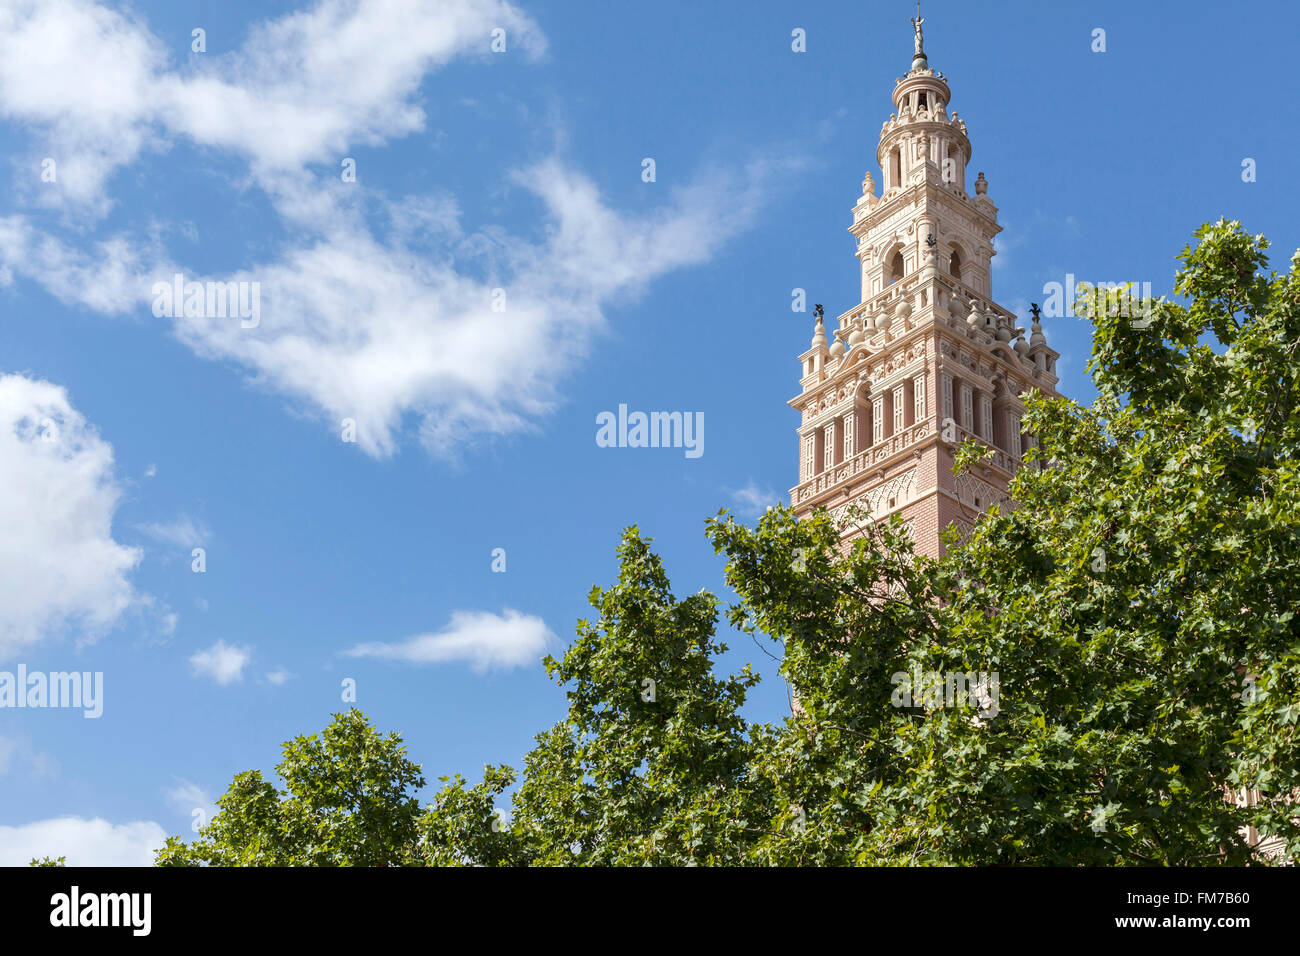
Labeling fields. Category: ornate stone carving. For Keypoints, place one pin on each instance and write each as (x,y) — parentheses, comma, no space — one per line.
(879,346)
(901,489)
(978,494)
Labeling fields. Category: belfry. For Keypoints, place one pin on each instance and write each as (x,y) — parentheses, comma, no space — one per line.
(926,360)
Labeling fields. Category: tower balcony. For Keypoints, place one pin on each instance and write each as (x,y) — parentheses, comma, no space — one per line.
(886,453)
(1001,460)
(880,455)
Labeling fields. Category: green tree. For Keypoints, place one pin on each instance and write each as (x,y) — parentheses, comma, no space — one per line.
(349,800)
(847,618)
(1131,620)
(650,766)
(463,826)
(1137,605)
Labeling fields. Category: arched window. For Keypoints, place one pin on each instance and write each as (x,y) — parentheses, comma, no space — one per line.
(896,268)
(862,424)
(954,264)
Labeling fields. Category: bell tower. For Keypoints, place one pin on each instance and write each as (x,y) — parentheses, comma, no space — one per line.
(926,360)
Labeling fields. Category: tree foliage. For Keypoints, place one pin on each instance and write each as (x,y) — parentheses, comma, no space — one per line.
(1135,612)
(349,800)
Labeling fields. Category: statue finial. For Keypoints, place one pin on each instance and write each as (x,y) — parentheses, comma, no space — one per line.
(916,26)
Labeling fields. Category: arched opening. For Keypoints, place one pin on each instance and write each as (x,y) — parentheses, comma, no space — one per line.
(954,265)
(896,267)
(862,422)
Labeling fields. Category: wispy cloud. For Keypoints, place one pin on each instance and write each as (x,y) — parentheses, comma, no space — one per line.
(374,310)
(19,756)
(483,640)
(183,534)
(751,500)
(186,797)
(303,88)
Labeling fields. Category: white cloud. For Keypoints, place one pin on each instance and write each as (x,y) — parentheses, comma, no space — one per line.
(186,797)
(222,662)
(60,568)
(303,88)
(84,74)
(84,842)
(183,534)
(112,276)
(278,677)
(18,755)
(751,500)
(378,309)
(308,85)
(480,638)
(367,328)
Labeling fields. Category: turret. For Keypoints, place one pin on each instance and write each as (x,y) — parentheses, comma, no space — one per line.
(814,360)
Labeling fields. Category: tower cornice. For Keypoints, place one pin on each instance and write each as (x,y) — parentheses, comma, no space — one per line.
(926,192)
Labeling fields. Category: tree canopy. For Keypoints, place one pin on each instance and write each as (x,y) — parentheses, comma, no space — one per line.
(1109,673)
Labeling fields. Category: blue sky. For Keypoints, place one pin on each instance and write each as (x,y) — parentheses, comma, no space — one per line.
(478,170)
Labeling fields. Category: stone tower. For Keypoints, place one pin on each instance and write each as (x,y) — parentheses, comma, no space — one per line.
(926,360)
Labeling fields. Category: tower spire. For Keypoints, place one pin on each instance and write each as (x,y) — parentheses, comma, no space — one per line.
(918,57)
